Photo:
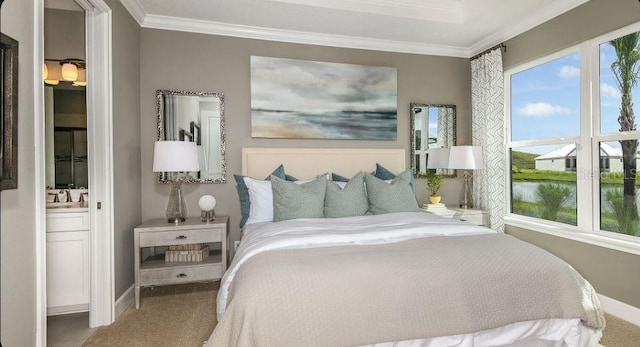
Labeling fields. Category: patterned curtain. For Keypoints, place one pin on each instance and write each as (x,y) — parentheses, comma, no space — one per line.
(445,129)
(488,129)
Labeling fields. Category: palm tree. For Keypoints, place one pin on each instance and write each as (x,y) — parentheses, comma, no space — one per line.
(626,70)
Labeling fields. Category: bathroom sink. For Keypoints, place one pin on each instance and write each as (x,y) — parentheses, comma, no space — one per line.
(67,206)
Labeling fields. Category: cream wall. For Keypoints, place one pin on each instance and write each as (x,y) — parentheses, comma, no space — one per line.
(17,224)
(613,273)
(195,62)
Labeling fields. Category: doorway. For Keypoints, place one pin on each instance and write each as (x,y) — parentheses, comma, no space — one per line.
(91,67)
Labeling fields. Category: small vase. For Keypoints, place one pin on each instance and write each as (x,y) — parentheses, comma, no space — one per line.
(434,199)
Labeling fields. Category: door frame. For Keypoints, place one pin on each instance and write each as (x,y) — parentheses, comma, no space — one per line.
(100,149)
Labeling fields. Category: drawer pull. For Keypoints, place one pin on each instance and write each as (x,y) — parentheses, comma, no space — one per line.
(181,275)
(463,220)
(181,237)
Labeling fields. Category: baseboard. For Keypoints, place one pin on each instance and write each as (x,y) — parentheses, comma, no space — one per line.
(621,310)
(124,301)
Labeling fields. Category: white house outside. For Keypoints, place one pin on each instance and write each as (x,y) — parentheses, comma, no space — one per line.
(564,159)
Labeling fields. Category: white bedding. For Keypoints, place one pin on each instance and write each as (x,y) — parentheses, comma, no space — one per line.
(326,232)
(366,230)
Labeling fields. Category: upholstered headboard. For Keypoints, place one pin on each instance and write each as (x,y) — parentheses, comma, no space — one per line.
(308,162)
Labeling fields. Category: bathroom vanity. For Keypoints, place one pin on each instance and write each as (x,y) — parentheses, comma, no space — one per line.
(67,259)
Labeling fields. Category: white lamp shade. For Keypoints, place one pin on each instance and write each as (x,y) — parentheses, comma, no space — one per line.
(82,78)
(175,156)
(69,72)
(465,157)
(438,158)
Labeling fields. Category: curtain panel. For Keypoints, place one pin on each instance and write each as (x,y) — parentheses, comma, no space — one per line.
(488,131)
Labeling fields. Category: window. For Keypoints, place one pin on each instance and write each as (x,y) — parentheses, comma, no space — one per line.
(573,138)
(544,113)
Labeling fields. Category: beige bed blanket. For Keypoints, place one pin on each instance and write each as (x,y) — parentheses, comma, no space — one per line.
(421,288)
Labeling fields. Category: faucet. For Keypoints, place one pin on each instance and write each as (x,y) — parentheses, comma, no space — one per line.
(68,194)
(82,199)
(55,197)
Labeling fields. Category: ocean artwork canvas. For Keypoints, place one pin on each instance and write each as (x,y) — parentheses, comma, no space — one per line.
(317,100)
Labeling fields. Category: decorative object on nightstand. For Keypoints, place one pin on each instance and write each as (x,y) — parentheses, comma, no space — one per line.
(186,261)
(207,205)
(466,158)
(174,157)
(437,158)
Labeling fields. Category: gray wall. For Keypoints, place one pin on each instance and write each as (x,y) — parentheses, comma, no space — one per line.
(64,34)
(613,273)
(18,263)
(126,141)
(195,62)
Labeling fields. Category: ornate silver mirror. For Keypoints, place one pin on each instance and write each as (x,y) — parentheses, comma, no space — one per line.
(196,117)
(432,126)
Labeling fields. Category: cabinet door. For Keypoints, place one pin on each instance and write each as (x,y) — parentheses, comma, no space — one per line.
(67,268)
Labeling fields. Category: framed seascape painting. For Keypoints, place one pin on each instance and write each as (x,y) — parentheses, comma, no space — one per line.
(316,100)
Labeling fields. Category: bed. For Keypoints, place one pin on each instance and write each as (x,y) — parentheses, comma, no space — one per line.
(394,279)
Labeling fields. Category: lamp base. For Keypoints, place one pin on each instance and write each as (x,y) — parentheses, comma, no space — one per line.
(466,199)
(176,207)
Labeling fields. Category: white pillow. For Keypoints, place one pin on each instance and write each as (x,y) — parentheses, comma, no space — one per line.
(261,197)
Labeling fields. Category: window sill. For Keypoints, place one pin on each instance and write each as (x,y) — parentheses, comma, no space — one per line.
(602,239)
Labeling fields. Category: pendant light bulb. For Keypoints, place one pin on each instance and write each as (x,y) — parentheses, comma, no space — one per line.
(69,72)
(45,71)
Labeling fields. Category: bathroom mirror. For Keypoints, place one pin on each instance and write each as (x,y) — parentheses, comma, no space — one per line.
(432,126)
(195,117)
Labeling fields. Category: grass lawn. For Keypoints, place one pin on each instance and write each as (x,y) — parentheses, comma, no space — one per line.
(565,215)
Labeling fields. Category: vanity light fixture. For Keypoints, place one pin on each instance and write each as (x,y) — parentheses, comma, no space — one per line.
(67,70)
(175,157)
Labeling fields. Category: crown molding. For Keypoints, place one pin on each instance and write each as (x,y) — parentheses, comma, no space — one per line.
(528,23)
(135,9)
(151,21)
(310,38)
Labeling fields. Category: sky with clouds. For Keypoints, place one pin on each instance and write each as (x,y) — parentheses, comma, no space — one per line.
(545,100)
(311,86)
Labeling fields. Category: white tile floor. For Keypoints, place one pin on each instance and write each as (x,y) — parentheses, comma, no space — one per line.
(69,330)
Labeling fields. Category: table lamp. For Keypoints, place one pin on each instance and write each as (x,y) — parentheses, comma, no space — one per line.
(466,158)
(173,157)
(438,158)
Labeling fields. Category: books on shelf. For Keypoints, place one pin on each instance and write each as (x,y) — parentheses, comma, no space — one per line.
(434,207)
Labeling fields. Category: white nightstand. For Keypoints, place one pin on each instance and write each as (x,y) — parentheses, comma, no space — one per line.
(153,270)
(469,215)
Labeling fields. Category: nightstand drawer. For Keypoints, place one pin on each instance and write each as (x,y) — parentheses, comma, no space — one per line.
(476,219)
(204,272)
(180,237)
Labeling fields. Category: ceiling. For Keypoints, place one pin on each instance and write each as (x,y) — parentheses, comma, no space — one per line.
(460,28)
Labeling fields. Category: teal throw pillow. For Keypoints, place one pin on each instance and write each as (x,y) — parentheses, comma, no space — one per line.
(396,196)
(243,193)
(338,178)
(384,174)
(348,201)
(292,200)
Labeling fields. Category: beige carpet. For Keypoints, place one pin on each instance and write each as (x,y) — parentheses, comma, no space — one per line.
(184,316)
(176,316)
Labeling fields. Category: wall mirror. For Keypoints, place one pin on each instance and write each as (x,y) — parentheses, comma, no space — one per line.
(196,117)
(432,126)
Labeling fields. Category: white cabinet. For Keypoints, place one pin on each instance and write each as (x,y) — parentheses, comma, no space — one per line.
(67,263)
